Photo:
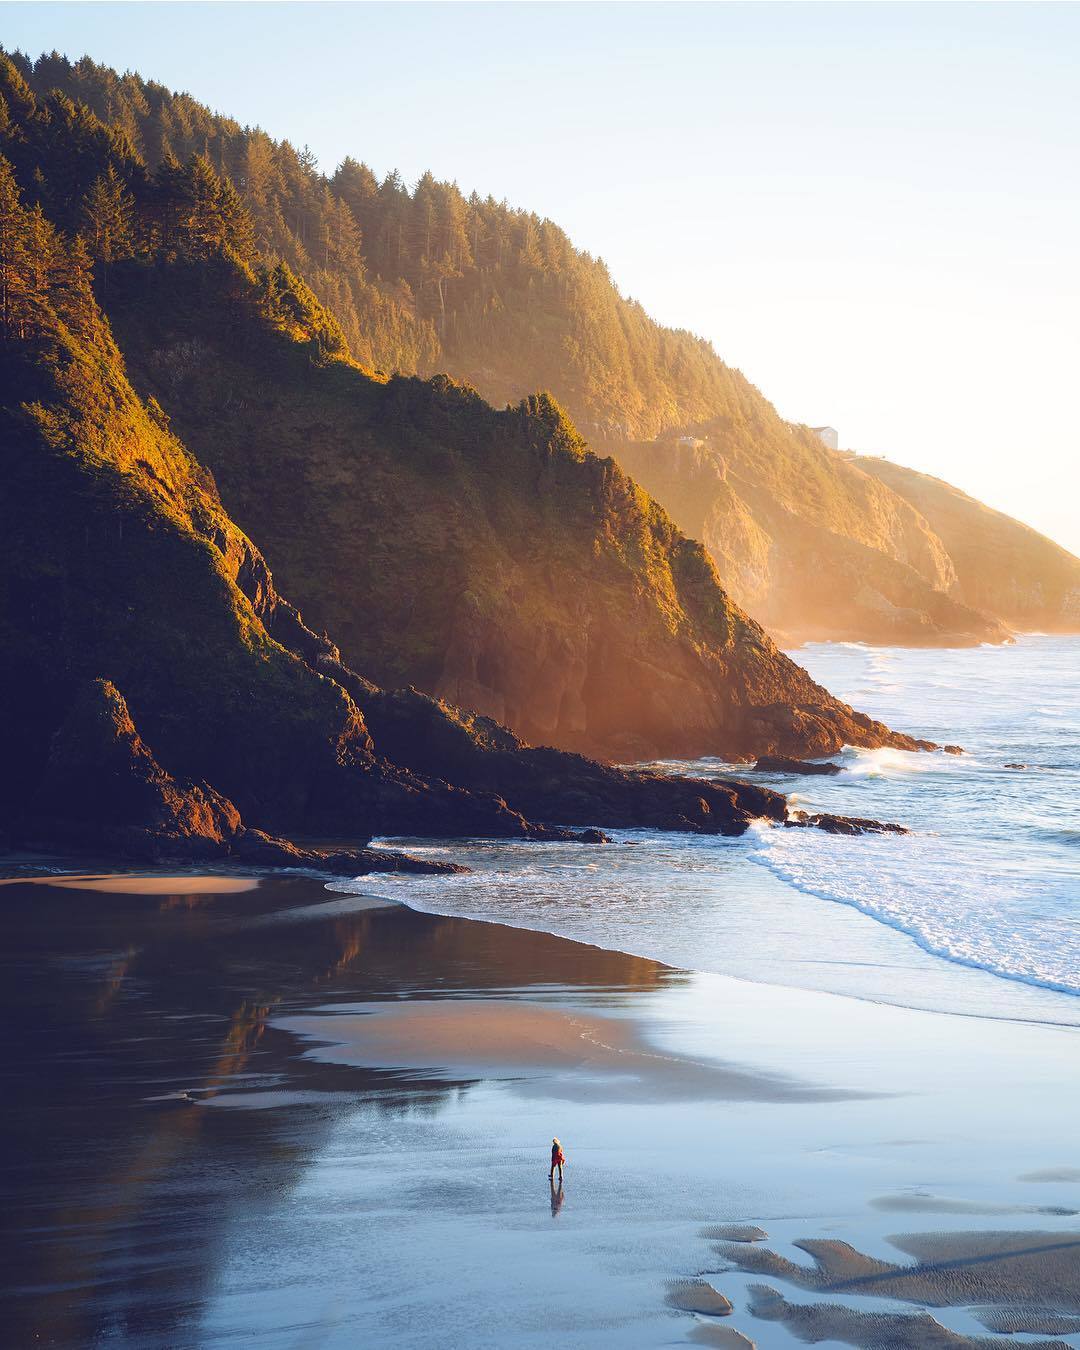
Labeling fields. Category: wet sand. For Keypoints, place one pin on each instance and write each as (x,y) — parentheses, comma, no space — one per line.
(1040,1269)
(284,1117)
(142,885)
(568,1052)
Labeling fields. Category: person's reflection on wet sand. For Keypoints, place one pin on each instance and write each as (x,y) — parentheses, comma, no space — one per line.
(557,1198)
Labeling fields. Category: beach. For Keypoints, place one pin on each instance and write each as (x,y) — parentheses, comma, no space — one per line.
(539,771)
(285,1116)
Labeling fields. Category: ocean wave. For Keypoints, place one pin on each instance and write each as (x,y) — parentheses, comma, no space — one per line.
(989,879)
(885,761)
(982,916)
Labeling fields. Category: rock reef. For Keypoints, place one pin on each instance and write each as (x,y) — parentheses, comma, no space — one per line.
(783,764)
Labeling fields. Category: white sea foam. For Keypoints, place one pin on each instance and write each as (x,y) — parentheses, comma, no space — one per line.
(885,761)
(989,878)
(982,911)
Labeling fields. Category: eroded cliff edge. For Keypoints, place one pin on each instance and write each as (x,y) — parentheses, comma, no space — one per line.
(485,557)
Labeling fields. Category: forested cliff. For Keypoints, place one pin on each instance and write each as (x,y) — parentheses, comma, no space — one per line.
(425,279)
(1001,566)
(136,614)
(158,692)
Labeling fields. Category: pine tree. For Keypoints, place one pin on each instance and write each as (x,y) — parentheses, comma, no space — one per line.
(260,179)
(200,226)
(356,185)
(340,240)
(238,233)
(165,204)
(18,95)
(70,282)
(108,218)
(14,257)
(41,249)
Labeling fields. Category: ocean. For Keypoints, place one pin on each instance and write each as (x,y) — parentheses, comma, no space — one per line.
(282,1117)
(976,911)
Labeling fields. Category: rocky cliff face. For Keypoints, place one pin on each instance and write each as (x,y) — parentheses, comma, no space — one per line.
(102,792)
(486,557)
(160,698)
(1002,566)
(101,781)
(815,547)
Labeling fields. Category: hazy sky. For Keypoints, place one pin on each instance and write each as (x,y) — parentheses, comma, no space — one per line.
(872,210)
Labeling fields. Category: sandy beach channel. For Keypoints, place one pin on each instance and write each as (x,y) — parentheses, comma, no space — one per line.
(275,1115)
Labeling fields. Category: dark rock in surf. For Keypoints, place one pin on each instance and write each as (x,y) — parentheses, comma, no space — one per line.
(784,764)
(263,850)
(476,753)
(841,824)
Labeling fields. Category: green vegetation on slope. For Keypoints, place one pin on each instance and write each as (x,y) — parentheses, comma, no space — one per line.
(118,562)
(425,278)
(484,555)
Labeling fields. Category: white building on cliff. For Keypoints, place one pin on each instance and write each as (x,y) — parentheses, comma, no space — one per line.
(828,436)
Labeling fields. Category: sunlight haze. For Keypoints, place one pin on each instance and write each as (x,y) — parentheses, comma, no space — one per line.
(871,211)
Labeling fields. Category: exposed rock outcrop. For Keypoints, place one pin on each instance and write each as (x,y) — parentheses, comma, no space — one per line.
(101,782)
(103,790)
(782,764)
(257,849)
(822,820)
(120,570)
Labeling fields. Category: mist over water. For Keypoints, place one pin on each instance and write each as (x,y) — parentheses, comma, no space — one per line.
(976,911)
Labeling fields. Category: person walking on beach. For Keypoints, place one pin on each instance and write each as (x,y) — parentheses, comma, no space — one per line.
(558,1157)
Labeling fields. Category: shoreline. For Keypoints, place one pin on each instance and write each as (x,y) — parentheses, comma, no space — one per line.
(759,900)
(380,1086)
(213,879)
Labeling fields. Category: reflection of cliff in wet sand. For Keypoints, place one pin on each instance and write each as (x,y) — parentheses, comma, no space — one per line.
(233,1116)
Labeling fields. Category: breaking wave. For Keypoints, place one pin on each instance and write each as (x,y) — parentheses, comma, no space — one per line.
(989,878)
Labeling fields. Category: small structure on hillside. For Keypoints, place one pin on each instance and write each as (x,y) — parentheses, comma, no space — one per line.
(828,436)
